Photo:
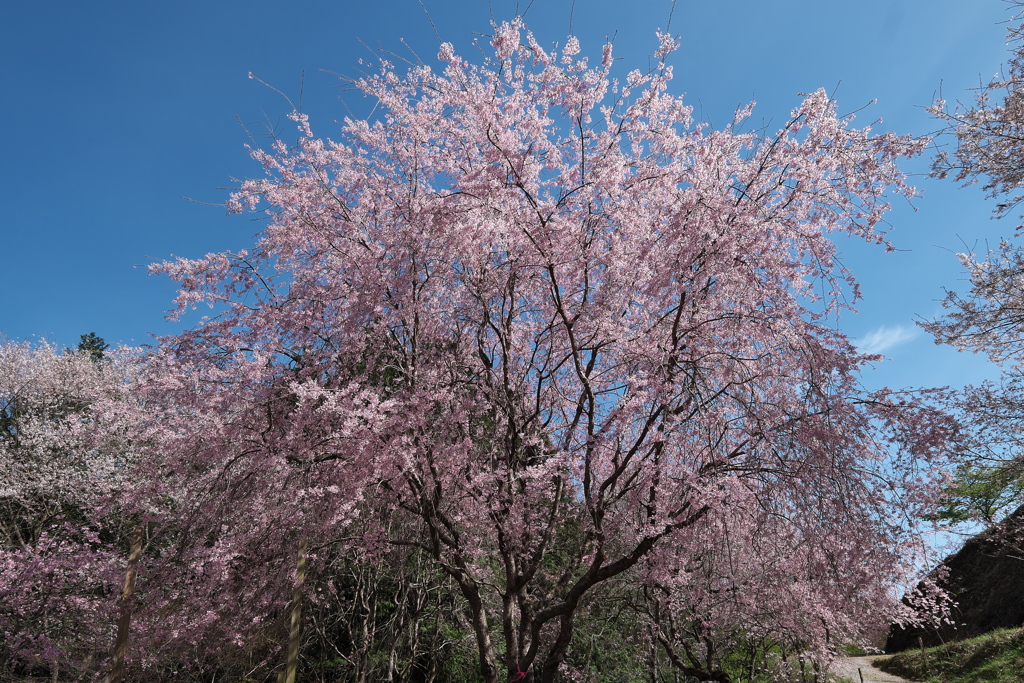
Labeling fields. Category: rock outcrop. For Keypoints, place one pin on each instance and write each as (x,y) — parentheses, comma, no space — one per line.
(986,580)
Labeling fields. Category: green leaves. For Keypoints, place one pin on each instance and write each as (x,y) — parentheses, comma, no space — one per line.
(93,345)
(982,492)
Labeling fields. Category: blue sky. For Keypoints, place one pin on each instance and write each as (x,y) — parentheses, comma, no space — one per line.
(115,111)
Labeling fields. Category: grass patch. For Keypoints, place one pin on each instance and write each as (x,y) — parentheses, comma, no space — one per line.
(996,657)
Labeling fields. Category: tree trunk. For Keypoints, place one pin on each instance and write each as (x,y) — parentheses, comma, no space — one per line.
(121,642)
(293,635)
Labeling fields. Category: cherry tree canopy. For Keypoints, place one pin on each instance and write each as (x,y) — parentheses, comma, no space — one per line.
(988,319)
(59,441)
(560,331)
(63,423)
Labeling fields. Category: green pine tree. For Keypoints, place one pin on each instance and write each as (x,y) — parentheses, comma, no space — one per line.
(92,345)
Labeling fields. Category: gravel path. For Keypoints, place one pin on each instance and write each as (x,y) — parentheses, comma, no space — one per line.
(847,668)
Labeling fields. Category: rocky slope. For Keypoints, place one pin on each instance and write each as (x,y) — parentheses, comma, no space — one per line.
(986,580)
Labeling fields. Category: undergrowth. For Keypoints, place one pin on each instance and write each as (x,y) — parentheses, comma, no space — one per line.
(996,657)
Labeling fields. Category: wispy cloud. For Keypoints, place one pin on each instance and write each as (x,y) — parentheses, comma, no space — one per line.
(886,338)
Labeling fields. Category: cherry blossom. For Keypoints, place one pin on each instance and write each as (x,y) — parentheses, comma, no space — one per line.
(550,331)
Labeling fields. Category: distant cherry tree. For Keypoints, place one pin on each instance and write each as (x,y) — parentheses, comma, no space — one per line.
(561,331)
(54,453)
(63,450)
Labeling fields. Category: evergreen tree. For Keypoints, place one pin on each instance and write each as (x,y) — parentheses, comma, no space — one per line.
(93,345)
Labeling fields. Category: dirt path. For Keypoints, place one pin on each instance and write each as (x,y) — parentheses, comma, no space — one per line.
(847,668)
